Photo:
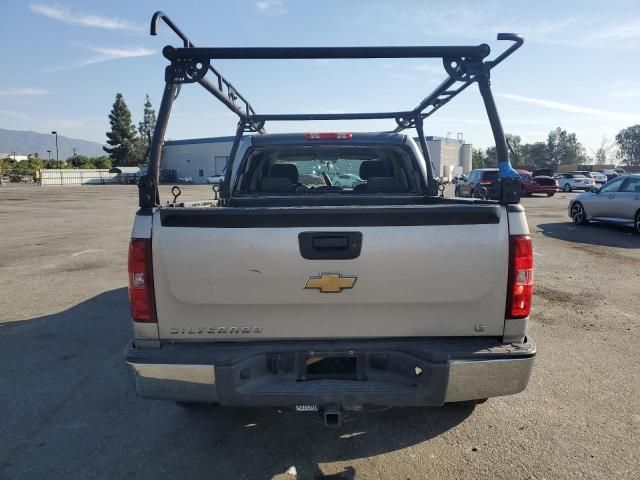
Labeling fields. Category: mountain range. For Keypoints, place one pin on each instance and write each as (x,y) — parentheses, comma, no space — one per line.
(24,142)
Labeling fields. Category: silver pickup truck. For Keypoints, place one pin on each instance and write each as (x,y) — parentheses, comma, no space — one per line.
(290,291)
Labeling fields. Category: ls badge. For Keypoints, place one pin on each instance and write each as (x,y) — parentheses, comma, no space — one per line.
(331,282)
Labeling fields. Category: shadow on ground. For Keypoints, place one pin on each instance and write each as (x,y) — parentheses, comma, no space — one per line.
(70,412)
(593,233)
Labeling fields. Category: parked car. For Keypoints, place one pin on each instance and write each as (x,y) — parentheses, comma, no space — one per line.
(214,179)
(168,175)
(346,180)
(470,185)
(575,181)
(598,178)
(185,180)
(540,184)
(618,201)
(543,172)
(620,171)
(130,180)
(610,174)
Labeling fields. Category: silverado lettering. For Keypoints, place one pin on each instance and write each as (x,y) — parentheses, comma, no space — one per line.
(213,330)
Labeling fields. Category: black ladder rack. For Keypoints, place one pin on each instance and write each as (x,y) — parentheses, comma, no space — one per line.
(463,65)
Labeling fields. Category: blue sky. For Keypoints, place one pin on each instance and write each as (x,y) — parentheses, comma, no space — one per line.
(64,61)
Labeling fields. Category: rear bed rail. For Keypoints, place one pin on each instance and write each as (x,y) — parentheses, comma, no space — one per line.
(358,216)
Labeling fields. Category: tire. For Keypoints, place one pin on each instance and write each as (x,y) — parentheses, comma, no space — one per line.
(196,405)
(567,187)
(636,222)
(578,214)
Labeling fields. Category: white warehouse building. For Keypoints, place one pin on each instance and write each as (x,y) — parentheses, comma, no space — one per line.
(449,157)
(197,158)
(200,158)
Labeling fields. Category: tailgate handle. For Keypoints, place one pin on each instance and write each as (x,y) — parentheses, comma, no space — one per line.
(330,245)
(334,243)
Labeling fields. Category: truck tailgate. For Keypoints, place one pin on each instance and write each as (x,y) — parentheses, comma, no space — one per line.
(229,274)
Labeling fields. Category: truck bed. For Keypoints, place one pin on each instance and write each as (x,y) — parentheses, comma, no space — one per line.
(239,273)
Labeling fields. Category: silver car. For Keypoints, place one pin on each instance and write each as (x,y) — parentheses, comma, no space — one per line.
(618,201)
(575,181)
(599,178)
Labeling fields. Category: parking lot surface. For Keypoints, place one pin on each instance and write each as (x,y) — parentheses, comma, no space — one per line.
(70,412)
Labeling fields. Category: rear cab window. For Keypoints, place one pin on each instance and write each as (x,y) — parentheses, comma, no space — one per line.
(327,169)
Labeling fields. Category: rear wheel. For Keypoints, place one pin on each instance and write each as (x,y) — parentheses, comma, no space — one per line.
(637,222)
(567,187)
(578,215)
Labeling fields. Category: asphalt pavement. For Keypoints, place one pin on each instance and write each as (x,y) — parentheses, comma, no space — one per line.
(69,410)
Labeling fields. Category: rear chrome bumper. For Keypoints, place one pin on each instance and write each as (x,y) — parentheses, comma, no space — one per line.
(450,370)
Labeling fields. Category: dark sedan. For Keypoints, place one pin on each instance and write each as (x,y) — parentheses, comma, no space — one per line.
(475,183)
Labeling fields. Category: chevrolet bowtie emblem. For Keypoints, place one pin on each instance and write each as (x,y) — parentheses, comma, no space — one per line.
(331,282)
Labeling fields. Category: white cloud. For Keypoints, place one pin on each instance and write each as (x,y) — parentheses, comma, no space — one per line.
(104,54)
(12,92)
(66,15)
(271,7)
(567,107)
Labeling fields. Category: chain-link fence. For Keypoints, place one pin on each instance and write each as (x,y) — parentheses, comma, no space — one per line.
(18,176)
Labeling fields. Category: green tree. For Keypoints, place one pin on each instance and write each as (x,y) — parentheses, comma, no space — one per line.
(102,162)
(122,137)
(515,142)
(81,161)
(533,154)
(600,157)
(477,158)
(563,148)
(604,152)
(628,141)
(146,128)
(31,164)
(491,157)
(148,123)
(7,163)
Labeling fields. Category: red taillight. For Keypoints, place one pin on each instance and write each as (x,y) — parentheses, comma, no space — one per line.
(328,136)
(520,288)
(141,295)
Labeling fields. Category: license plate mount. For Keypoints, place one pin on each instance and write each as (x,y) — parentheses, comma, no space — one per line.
(342,366)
